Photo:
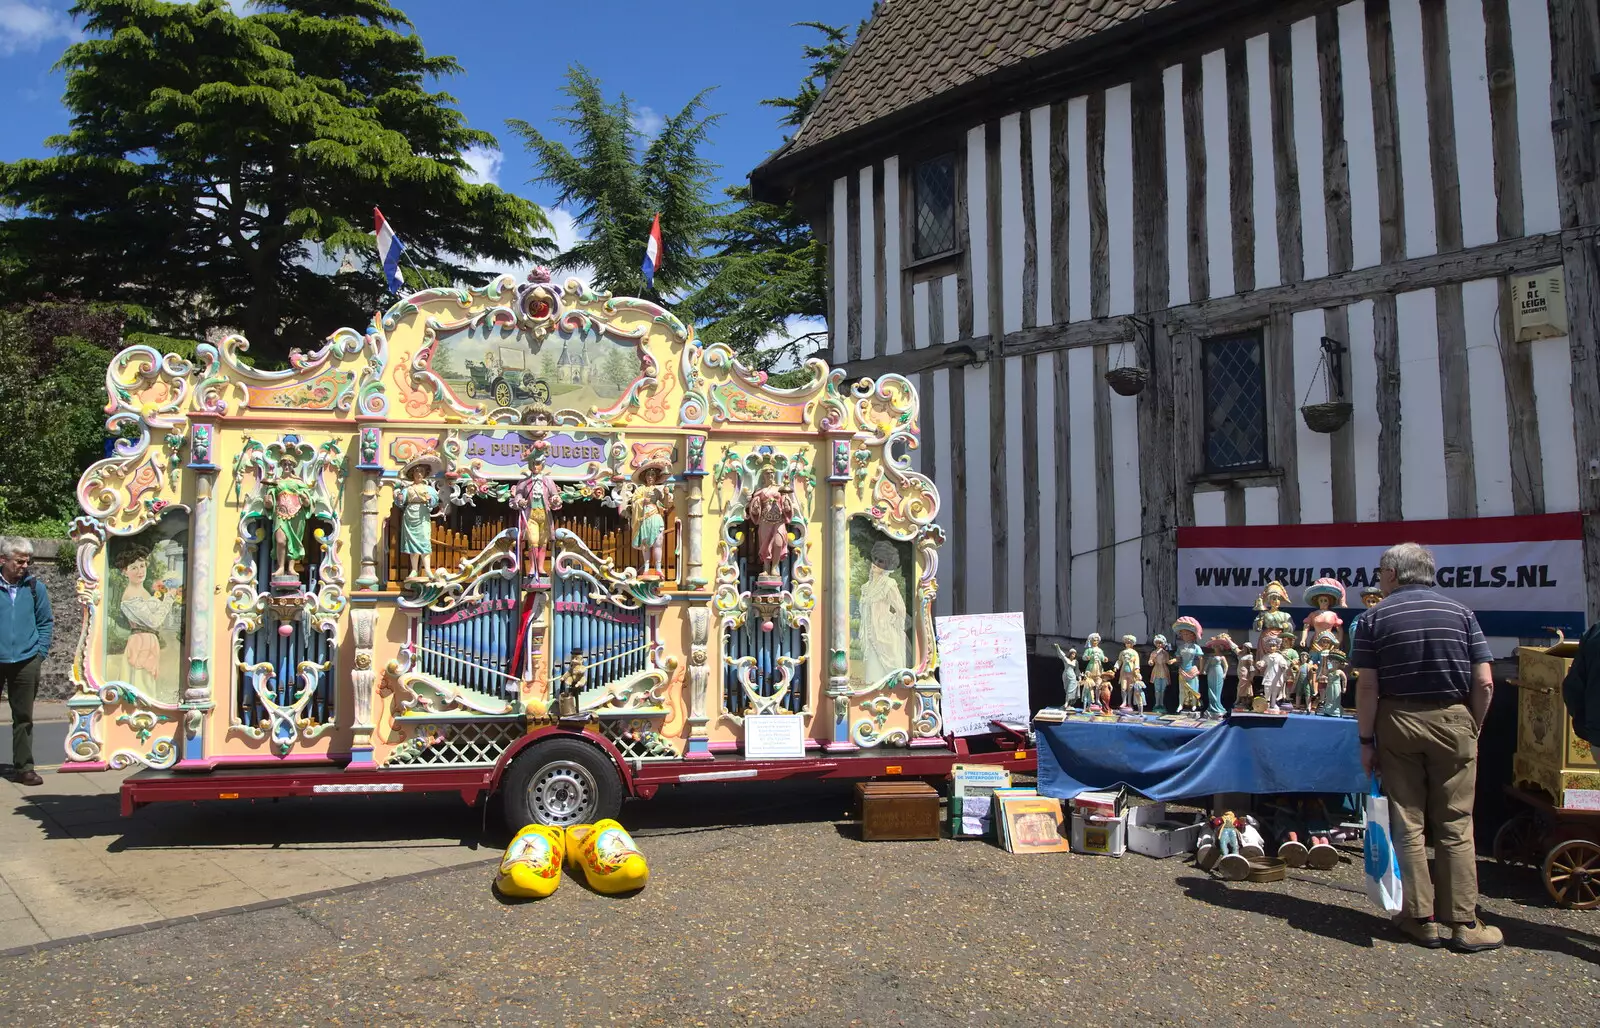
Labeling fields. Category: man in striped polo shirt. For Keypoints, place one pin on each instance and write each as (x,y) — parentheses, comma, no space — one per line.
(1422,692)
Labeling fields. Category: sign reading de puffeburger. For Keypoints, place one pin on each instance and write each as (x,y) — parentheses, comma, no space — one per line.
(503,453)
(1522,575)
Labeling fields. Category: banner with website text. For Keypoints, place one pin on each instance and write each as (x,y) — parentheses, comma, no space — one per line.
(1522,575)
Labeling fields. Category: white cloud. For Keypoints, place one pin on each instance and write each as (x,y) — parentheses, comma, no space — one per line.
(483,163)
(28,26)
(646,122)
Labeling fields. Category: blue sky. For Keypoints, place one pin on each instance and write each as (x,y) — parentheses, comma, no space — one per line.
(515,54)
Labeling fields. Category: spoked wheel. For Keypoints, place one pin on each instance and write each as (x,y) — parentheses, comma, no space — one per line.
(1517,841)
(502,393)
(1572,874)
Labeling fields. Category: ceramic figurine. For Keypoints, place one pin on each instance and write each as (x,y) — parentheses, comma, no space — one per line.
(1217,672)
(1298,679)
(573,681)
(1324,650)
(1333,689)
(1231,864)
(1069,676)
(1129,665)
(1161,661)
(1251,844)
(1323,595)
(419,506)
(1247,674)
(291,509)
(1274,671)
(1187,656)
(771,507)
(1371,596)
(1094,680)
(1270,620)
(648,508)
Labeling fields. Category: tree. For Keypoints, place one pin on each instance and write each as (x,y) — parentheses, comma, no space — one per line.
(211,154)
(614,190)
(766,266)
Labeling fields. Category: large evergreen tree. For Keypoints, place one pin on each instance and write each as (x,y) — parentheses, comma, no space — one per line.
(765,266)
(212,154)
(614,181)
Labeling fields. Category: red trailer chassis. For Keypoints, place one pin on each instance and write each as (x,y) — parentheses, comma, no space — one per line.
(640,779)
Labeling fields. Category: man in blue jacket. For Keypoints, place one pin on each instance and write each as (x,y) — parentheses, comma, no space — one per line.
(26,625)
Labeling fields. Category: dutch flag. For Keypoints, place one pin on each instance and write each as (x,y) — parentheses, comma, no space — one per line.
(389,250)
(652,253)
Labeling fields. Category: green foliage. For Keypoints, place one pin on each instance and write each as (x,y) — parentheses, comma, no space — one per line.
(213,153)
(765,264)
(614,181)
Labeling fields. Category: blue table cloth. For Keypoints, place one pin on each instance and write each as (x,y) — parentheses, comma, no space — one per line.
(1297,753)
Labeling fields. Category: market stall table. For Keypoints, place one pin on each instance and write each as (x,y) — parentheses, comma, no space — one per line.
(1260,755)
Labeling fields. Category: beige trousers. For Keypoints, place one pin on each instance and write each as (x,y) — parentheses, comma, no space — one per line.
(1428,765)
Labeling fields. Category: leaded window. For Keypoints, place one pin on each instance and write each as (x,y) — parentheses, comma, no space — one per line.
(1235,403)
(934,189)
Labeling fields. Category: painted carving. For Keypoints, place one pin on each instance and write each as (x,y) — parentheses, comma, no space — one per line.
(648,507)
(419,507)
(770,509)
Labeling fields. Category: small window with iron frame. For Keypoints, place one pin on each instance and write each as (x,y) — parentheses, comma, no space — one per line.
(933,191)
(1235,400)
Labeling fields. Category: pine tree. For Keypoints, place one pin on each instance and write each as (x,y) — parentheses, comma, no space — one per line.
(212,154)
(614,188)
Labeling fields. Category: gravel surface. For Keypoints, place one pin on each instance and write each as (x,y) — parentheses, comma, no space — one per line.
(764,909)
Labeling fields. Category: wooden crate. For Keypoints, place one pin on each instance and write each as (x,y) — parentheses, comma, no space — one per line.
(1550,757)
(897,810)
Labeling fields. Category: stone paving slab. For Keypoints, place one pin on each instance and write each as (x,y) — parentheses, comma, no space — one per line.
(71,865)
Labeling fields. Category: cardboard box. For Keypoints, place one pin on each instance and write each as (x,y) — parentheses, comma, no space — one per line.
(1153,833)
(1099,835)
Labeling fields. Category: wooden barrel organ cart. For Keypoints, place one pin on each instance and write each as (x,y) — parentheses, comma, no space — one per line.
(612,585)
(1556,776)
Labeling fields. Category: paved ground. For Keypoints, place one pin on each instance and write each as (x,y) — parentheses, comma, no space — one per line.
(764,909)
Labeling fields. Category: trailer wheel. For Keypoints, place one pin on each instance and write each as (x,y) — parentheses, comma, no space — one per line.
(561,782)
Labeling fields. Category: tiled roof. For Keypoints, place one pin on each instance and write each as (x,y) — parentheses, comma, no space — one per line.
(913,50)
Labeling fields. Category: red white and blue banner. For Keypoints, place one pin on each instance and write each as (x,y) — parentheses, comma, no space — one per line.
(652,253)
(389,250)
(1523,576)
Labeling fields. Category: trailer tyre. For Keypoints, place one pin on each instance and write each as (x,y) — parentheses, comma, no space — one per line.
(561,782)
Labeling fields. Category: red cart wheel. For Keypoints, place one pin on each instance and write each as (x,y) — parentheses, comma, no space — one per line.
(1518,840)
(1572,874)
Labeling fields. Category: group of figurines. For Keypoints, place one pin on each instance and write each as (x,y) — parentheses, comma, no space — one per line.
(1304,830)
(1304,672)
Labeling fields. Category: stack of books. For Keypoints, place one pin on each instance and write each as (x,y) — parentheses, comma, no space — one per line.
(1028,823)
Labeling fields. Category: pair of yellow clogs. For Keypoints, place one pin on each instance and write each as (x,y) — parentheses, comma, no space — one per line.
(610,861)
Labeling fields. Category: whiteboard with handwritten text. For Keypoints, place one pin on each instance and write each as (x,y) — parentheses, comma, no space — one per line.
(983,671)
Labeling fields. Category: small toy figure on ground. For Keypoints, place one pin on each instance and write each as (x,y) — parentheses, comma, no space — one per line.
(1245,691)
(1217,672)
(1188,655)
(1094,673)
(1161,661)
(1231,864)
(1128,676)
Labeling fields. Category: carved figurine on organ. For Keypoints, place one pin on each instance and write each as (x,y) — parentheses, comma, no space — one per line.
(530,517)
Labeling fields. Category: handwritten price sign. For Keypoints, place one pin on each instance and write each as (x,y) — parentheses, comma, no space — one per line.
(983,671)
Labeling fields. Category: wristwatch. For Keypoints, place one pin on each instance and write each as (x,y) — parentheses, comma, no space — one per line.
(1367,740)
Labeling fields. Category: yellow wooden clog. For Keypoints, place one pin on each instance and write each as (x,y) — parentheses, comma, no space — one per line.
(531,866)
(611,862)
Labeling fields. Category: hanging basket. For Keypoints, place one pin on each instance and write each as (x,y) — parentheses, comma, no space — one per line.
(1326,417)
(1127,381)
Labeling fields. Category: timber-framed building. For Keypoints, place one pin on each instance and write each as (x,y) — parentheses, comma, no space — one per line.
(1019,196)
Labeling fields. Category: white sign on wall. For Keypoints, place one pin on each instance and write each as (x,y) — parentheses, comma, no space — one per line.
(983,671)
(774,737)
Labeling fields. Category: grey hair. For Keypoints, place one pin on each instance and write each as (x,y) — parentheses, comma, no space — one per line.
(15,546)
(1411,563)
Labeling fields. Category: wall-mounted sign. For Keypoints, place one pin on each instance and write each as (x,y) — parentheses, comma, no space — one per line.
(1539,305)
(503,453)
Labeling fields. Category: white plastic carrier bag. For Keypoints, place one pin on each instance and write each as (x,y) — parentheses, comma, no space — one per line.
(1382,863)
